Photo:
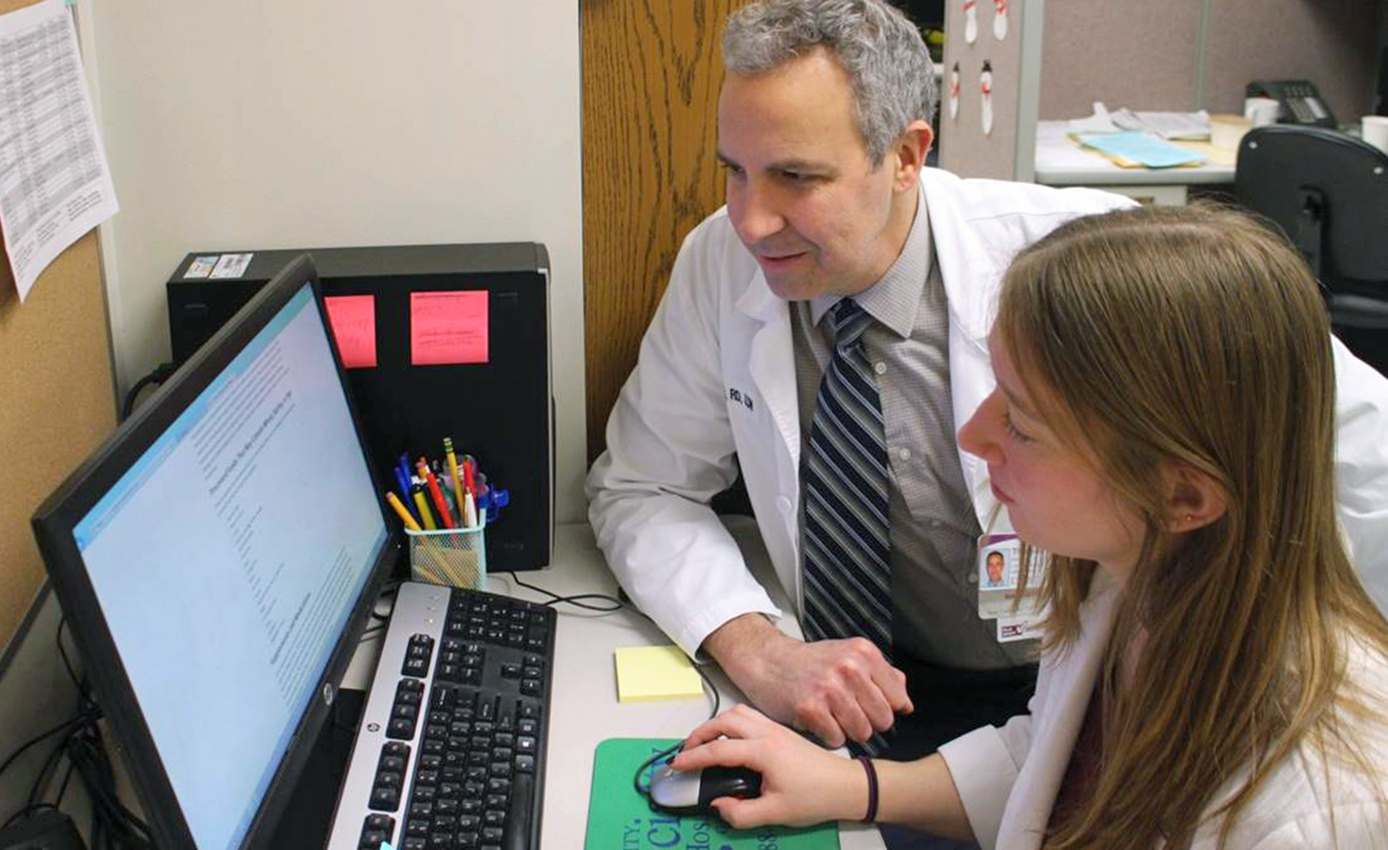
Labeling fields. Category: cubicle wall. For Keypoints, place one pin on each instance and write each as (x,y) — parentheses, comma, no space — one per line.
(1189,54)
(1004,146)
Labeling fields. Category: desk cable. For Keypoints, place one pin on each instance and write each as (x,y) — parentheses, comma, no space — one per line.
(113,825)
(159,375)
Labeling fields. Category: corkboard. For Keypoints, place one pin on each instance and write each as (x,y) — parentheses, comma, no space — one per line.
(57,400)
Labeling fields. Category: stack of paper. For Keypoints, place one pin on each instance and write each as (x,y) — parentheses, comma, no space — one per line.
(1166,125)
(1139,150)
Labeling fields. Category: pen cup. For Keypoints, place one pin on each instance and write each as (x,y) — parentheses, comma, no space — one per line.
(455,557)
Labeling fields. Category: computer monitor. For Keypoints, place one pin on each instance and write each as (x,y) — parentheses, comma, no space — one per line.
(217,559)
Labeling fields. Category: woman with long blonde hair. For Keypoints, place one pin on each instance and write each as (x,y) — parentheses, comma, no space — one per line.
(1213,674)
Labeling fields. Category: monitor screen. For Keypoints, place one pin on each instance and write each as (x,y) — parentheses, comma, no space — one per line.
(226,558)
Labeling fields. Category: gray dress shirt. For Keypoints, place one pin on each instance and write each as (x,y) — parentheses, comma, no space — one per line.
(934,530)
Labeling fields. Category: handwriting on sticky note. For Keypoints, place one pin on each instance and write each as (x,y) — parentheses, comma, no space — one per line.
(353,320)
(655,672)
(448,327)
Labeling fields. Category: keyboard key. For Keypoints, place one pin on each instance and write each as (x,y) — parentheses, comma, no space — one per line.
(384,799)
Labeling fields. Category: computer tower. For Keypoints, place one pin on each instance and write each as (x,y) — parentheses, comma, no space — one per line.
(500,410)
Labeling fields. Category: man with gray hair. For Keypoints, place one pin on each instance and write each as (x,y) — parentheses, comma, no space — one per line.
(826,333)
(824,122)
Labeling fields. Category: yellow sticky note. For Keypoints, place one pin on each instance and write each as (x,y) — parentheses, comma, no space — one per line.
(647,673)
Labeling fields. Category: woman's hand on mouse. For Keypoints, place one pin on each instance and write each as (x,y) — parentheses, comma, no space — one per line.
(801,783)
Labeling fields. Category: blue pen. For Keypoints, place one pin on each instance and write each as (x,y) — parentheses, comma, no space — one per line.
(404,481)
(404,466)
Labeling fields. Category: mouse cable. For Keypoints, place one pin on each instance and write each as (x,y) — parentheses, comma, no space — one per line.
(617,605)
(645,790)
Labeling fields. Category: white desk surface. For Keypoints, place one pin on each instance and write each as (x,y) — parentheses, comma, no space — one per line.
(583,703)
(1060,162)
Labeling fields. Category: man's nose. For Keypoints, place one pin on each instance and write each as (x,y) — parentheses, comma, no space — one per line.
(758,215)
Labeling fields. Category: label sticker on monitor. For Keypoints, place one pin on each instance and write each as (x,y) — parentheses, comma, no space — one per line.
(448,328)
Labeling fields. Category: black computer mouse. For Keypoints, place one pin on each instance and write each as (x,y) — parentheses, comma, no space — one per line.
(680,792)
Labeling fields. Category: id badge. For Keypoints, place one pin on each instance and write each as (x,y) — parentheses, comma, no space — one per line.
(999,570)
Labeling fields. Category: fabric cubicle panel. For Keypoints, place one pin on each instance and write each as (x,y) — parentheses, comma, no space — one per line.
(1142,56)
(965,149)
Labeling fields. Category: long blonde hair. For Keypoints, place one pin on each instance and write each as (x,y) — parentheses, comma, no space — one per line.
(1195,336)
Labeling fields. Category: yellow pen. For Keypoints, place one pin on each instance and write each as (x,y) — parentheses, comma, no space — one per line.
(400,509)
(423,505)
(453,470)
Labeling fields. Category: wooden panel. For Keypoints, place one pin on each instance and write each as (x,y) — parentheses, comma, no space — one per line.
(1134,55)
(1331,44)
(651,75)
(57,400)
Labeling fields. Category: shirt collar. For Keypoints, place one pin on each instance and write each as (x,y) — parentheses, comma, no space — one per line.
(896,296)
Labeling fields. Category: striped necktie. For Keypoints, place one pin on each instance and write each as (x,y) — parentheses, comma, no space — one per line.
(847,552)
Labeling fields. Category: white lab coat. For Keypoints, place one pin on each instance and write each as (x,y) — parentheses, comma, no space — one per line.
(1008,776)
(714,386)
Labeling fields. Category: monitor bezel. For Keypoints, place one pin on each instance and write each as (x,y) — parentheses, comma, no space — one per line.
(56,518)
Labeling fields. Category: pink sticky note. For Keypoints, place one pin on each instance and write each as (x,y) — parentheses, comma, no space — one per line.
(353,320)
(448,327)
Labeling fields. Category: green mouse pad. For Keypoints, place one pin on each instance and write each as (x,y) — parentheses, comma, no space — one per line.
(619,818)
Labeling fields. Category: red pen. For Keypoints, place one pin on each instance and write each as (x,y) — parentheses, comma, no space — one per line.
(436,494)
(468,483)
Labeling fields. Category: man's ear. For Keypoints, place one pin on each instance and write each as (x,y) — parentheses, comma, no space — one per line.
(910,149)
(1193,498)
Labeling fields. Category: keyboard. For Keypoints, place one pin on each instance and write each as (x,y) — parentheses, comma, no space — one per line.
(450,751)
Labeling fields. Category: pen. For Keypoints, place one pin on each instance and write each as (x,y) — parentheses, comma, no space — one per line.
(455,510)
(403,479)
(468,484)
(469,511)
(436,494)
(400,509)
(424,515)
(453,470)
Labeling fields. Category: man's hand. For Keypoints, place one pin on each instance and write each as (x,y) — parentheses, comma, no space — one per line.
(834,689)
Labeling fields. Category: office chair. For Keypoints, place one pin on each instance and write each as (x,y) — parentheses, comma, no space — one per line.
(1329,194)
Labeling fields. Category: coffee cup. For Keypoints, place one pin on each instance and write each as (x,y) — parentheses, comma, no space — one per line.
(1374,130)
(1261,110)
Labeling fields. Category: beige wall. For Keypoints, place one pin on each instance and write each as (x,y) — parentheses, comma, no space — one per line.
(264,123)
